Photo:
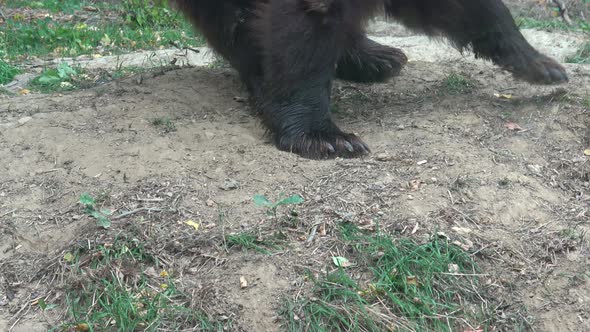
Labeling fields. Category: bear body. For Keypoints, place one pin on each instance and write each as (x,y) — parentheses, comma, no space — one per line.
(287,53)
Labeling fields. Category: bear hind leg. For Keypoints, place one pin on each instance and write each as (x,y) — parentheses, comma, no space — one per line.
(485,26)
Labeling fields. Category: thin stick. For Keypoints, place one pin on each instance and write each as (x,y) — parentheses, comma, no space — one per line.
(19,316)
(312,233)
(123,215)
(465,274)
(7,213)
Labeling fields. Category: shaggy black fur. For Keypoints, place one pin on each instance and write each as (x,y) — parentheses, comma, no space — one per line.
(287,52)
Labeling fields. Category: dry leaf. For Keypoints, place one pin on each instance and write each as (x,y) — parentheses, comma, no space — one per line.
(82,327)
(415,184)
(322,229)
(587,152)
(513,126)
(243,282)
(503,96)
(193,224)
(453,268)
(477,329)
(465,246)
(415,228)
(462,230)
(23,92)
(383,157)
(412,280)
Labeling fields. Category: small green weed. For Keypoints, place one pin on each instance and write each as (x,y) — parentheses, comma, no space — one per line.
(62,78)
(249,240)
(573,234)
(586,102)
(457,84)
(7,72)
(91,209)
(165,123)
(262,201)
(46,306)
(582,56)
(421,287)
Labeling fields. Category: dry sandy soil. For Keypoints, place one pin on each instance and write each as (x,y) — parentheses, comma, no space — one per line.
(442,161)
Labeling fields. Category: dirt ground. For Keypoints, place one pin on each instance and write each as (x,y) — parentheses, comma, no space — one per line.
(507,175)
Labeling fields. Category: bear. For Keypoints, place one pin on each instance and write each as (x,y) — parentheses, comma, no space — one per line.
(288,52)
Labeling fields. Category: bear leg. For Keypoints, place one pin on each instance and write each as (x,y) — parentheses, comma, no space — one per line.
(486,27)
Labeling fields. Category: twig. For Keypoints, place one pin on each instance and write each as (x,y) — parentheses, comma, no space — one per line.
(48,171)
(19,316)
(468,218)
(123,215)
(312,233)
(175,44)
(149,199)
(7,213)
(451,197)
(465,274)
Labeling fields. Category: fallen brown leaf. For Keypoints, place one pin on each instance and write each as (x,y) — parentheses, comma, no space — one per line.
(412,280)
(243,282)
(513,126)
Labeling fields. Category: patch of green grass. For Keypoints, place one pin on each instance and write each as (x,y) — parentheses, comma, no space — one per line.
(165,123)
(252,241)
(54,6)
(7,72)
(145,13)
(61,78)
(551,25)
(141,24)
(582,56)
(458,84)
(406,286)
(112,292)
(586,102)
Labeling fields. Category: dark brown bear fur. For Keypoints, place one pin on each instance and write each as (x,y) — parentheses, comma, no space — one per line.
(287,52)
